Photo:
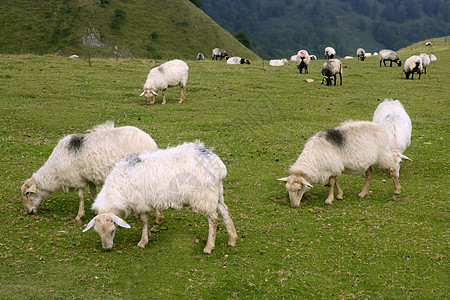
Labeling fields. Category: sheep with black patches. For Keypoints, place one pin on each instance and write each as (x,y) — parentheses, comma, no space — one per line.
(81,160)
(426,60)
(200,56)
(351,148)
(218,53)
(330,69)
(391,115)
(303,60)
(361,54)
(170,74)
(389,55)
(413,65)
(330,53)
(189,174)
(236,60)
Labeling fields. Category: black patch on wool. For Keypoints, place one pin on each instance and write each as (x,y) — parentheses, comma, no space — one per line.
(203,151)
(76,142)
(161,69)
(335,137)
(133,159)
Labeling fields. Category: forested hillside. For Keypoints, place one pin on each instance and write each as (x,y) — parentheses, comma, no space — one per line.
(281,28)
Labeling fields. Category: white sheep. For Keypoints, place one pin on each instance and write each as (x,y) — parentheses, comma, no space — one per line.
(433,57)
(428,44)
(348,57)
(391,115)
(79,160)
(426,60)
(278,62)
(390,55)
(330,53)
(368,54)
(375,54)
(303,60)
(352,148)
(361,54)
(313,57)
(217,52)
(413,65)
(189,174)
(294,58)
(169,74)
(330,69)
(200,56)
(236,60)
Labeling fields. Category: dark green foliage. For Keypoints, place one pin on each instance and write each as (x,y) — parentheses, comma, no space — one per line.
(197,3)
(280,29)
(243,37)
(118,19)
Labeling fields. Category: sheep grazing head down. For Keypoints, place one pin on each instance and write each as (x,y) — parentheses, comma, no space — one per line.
(296,185)
(31,197)
(105,225)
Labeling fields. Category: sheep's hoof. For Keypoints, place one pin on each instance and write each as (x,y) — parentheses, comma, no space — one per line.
(207,251)
(142,244)
(328,201)
(362,195)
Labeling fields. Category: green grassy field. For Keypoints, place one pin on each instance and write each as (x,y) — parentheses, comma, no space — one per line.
(257,118)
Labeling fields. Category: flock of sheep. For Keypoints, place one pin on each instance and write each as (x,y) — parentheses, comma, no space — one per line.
(138,178)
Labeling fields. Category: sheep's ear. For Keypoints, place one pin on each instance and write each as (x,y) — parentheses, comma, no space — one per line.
(120,222)
(405,157)
(285,179)
(306,183)
(32,189)
(90,224)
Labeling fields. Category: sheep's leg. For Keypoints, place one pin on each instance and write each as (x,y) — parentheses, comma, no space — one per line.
(164,97)
(159,217)
(331,183)
(334,79)
(340,194)
(225,213)
(394,177)
(93,190)
(183,94)
(153,99)
(365,189)
(340,78)
(145,234)
(212,222)
(80,214)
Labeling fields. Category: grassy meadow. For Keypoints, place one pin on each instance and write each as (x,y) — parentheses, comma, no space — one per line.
(258,119)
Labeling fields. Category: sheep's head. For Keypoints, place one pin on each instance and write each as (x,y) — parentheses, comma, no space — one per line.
(31,196)
(399,63)
(327,79)
(398,158)
(296,186)
(105,225)
(149,92)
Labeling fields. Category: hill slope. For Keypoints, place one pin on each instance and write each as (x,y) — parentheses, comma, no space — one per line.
(127,28)
(281,28)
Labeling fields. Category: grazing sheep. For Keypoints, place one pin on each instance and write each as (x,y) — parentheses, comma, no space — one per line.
(80,160)
(303,61)
(330,53)
(391,115)
(330,69)
(236,60)
(413,65)
(432,57)
(389,55)
(428,44)
(348,57)
(368,54)
(200,56)
(216,53)
(351,148)
(313,57)
(375,54)
(189,174)
(361,54)
(294,58)
(425,61)
(278,62)
(169,74)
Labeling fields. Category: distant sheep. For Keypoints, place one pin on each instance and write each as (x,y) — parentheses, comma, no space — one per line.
(278,62)
(368,54)
(189,174)
(413,65)
(428,44)
(352,148)
(391,115)
(200,56)
(432,57)
(389,55)
(348,57)
(170,74)
(294,58)
(303,61)
(330,53)
(218,53)
(330,69)
(425,61)
(80,160)
(361,54)
(313,57)
(375,54)
(236,60)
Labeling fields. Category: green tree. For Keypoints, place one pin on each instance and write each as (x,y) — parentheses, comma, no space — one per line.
(243,37)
